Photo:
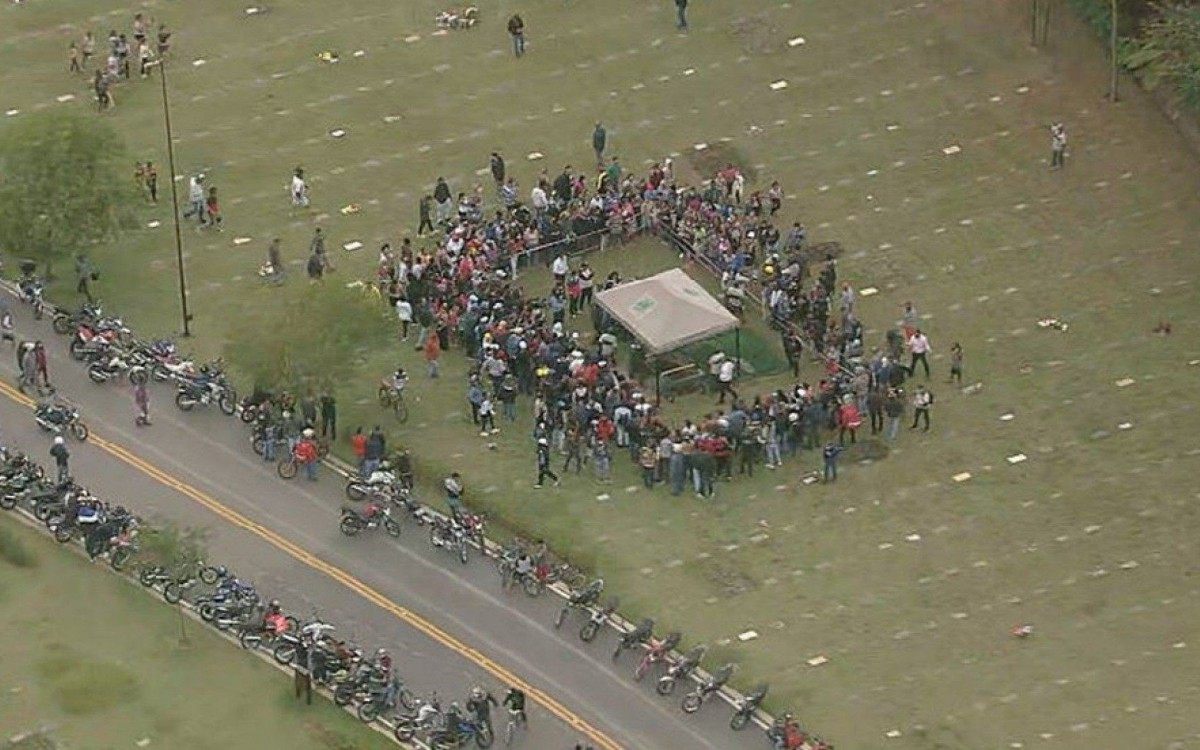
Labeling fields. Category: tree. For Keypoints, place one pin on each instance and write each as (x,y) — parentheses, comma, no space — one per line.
(1168,51)
(170,547)
(313,337)
(64,185)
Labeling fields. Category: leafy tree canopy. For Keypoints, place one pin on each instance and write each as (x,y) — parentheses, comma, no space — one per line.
(63,185)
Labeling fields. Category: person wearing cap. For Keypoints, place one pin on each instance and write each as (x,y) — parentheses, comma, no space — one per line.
(543,464)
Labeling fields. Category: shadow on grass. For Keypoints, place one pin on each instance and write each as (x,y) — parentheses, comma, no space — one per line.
(81,686)
(14,552)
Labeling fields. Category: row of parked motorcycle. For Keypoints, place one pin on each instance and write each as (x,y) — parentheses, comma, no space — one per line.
(380,501)
(367,682)
(111,352)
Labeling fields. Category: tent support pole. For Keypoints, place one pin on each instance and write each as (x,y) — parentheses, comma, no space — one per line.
(657,385)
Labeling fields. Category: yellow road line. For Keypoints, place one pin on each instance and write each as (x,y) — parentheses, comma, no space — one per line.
(416,621)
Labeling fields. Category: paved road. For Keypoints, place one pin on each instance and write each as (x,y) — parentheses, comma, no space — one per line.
(450,625)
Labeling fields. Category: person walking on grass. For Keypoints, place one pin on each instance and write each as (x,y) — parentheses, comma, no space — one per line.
(85,274)
(487,417)
(543,464)
(195,198)
(212,211)
(299,189)
(1058,145)
(919,346)
(956,363)
(599,141)
(829,456)
(150,176)
(922,403)
(516,29)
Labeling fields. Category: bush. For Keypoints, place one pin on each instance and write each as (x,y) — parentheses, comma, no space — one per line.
(14,552)
(1168,52)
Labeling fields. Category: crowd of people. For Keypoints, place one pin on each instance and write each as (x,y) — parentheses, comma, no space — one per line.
(114,60)
(456,287)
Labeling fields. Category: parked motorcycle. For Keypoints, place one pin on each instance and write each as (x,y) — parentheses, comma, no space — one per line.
(598,618)
(635,637)
(64,322)
(582,598)
(680,670)
(193,392)
(426,716)
(114,364)
(59,417)
(695,699)
(373,516)
(745,708)
(449,535)
(656,654)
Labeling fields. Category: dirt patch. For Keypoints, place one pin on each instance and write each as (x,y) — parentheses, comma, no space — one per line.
(730,581)
(868,450)
(756,33)
(81,686)
(703,164)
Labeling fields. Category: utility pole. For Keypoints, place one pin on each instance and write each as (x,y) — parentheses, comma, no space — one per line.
(183,301)
(1112,84)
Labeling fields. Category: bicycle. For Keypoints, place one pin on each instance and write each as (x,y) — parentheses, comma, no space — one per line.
(516,720)
(393,400)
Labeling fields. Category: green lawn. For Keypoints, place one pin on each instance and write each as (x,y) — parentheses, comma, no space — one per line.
(100,664)
(906,580)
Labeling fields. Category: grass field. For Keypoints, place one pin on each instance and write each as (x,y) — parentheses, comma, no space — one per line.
(906,580)
(100,665)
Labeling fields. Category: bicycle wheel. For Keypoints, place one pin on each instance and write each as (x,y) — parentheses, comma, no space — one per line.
(589,630)
(401,410)
(691,703)
(384,394)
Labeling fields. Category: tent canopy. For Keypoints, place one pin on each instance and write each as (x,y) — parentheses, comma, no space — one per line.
(667,311)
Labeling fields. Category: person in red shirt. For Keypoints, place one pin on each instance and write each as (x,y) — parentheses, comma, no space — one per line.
(433,350)
(605,429)
(849,420)
(306,453)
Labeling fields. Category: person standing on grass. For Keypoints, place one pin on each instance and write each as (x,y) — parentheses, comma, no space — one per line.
(922,403)
(299,189)
(602,461)
(516,28)
(212,211)
(85,274)
(956,363)
(909,320)
(849,420)
(496,165)
(681,14)
(918,344)
(328,414)
(487,416)
(599,142)
(433,350)
(73,59)
(317,247)
(543,464)
(829,456)
(358,444)
(454,487)
(443,200)
(150,175)
(275,262)
(893,407)
(1058,145)
(425,214)
(87,49)
(875,409)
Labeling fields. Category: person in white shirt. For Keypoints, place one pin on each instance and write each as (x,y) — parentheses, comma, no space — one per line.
(560,268)
(725,375)
(538,198)
(299,189)
(195,197)
(920,348)
(404,311)
(922,402)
